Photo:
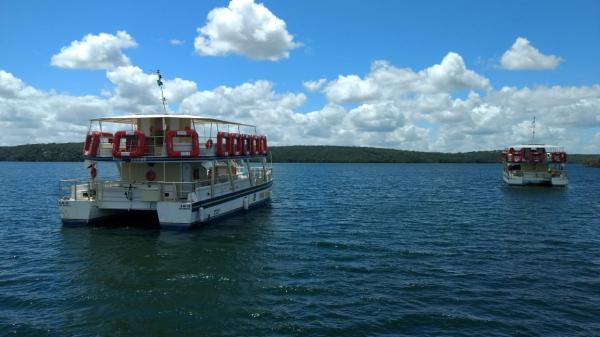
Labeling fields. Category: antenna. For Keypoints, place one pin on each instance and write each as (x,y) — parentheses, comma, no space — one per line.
(533,131)
(162,94)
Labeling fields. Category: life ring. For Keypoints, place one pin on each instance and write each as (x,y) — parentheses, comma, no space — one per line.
(563,157)
(92,142)
(208,144)
(223,144)
(195,152)
(518,156)
(138,148)
(555,157)
(150,175)
(263,147)
(93,172)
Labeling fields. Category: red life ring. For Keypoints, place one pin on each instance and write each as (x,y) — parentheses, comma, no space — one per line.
(195,152)
(138,149)
(555,157)
(151,175)
(518,156)
(223,144)
(263,147)
(563,157)
(208,144)
(236,144)
(93,172)
(246,145)
(92,142)
(253,144)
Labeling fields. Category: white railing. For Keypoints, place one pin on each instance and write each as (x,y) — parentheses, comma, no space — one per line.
(120,190)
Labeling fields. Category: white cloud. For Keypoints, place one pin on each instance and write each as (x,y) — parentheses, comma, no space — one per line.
(136,91)
(314,85)
(385,81)
(102,51)
(245,28)
(523,56)
(394,107)
(176,42)
(29,115)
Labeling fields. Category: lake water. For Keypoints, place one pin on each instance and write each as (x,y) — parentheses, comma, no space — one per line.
(342,250)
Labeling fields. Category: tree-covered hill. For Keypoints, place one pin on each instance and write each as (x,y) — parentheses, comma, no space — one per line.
(291,154)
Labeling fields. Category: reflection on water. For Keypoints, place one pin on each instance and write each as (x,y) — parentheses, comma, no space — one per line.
(141,274)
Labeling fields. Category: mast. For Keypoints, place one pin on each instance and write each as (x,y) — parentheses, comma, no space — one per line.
(162,94)
(533,131)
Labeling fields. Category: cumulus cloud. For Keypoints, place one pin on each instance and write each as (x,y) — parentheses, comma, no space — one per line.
(386,81)
(388,107)
(137,91)
(314,85)
(245,28)
(29,115)
(102,51)
(523,56)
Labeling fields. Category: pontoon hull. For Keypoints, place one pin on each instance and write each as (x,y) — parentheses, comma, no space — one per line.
(533,179)
(170,214)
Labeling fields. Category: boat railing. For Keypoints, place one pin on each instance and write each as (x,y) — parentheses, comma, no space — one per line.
(154,146)
(152,191)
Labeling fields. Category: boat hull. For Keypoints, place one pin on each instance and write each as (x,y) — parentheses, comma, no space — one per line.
(534,179)
(170,214)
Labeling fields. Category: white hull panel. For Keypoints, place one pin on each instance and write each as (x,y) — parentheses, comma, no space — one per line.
(171,214)
(534,180)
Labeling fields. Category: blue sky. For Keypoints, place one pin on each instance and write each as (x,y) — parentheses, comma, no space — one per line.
(333,39)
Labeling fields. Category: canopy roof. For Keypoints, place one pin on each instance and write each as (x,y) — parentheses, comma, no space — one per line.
(132,119)
(534,146)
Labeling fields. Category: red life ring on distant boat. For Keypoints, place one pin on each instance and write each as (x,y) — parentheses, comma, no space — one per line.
(195,152)
(555,157)
(137,150)
(236,144)
(253,144)
(93,172)
(208,144)
(262,145)
(246,145)
(223,144)
(518,156)
(150,175)
(563,157)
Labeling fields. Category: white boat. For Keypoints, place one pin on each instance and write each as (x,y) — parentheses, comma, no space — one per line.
(534,164)
(182,170)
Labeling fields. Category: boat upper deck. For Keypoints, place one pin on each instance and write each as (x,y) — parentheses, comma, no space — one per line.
(170,138)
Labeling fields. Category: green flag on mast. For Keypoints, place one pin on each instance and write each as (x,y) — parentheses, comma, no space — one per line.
(159,81)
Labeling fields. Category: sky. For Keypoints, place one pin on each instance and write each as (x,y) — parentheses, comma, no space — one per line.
(447,76)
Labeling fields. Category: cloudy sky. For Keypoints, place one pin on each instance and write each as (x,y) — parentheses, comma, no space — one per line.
(427,75)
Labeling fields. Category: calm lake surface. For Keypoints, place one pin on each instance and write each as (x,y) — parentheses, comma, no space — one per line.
(342,250)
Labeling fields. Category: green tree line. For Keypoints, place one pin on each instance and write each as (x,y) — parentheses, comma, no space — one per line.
(293,154)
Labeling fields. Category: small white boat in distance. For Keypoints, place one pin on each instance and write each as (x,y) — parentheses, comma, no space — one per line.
(182,170)
(535,164)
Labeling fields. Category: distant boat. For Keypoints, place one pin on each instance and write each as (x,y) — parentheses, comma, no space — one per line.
(535,164)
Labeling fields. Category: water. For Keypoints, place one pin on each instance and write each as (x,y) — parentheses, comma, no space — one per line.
(343,250)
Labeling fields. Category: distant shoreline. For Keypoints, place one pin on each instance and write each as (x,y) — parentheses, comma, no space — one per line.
(71,152)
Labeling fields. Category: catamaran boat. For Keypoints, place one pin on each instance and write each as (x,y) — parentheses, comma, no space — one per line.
(182,170)
(535,164)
